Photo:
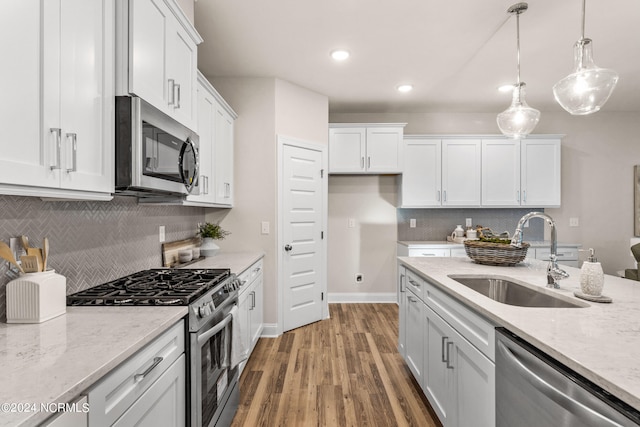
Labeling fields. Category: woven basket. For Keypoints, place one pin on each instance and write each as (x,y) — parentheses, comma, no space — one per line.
(495,253)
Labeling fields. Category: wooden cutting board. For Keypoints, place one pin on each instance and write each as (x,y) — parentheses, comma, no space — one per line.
(170,250)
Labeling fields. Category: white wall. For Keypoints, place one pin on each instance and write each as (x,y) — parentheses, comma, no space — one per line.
(266,107)
(598,155)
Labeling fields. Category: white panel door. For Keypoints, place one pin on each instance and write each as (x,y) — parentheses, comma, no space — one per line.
(461,172)
(422,179)
(223,155)
(206,181)
(347,149)
(182,69)
(540,162)
(302,219)
(500,172)
(439,379)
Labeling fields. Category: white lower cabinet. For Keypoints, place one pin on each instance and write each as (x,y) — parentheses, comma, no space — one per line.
(148,389)
(250,308)
(75,418)
(402,307)
(456,375)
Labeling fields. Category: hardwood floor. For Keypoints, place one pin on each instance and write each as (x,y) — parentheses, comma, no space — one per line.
(343,371)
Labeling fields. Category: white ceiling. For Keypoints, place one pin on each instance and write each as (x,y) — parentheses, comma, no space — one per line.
(455,53)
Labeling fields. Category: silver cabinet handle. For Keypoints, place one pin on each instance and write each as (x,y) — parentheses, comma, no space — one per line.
(414,283)
(518,195)
(74,152)
(445,195)
(444,344)
(177,103)
(362,162)
(203,179)
(156,362)
(57,132)
(253,300)
(227,190)
(449,345)
(257,269)
(172,92)
(402,283)
(423,254)
(438,196)
(369,162)
(524,196)
(412,299)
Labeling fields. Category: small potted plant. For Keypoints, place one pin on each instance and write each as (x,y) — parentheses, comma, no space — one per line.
(210,232)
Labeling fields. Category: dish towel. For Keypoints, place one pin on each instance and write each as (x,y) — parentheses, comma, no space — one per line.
(238,352)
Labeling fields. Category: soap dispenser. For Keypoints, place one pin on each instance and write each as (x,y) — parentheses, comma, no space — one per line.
(591,276)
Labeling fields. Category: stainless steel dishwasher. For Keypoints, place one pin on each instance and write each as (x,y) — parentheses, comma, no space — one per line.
(533,389)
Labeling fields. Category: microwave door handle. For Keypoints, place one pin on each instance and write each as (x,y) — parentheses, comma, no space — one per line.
(211,332)
(559,397)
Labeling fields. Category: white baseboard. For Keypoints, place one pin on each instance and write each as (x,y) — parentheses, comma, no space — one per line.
(363,297)
(270,330)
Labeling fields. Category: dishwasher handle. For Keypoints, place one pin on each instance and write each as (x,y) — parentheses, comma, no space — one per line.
(569,403)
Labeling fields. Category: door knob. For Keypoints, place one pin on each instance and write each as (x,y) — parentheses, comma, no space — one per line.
(288,247)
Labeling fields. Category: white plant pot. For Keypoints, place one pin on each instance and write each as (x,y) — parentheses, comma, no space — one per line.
(208,247)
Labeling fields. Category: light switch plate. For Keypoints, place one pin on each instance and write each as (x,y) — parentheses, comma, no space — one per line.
(352,222)
(161,234)
(574,222)
(412,223)
(265,227)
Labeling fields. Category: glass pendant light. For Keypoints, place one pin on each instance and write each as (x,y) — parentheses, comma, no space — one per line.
(589,87)
(519,119)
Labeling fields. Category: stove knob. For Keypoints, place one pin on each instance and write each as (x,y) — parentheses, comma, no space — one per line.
(211,307)
(207,311)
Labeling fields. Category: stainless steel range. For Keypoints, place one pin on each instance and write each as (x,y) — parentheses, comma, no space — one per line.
(212,298)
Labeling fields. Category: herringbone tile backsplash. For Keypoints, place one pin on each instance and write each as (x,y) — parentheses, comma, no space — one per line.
(93,242)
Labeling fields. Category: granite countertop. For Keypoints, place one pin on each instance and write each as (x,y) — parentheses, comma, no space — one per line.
(236,261)
(444,243)
(57,360)
(600,342)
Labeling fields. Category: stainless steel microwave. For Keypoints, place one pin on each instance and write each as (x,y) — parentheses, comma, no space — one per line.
(155,155)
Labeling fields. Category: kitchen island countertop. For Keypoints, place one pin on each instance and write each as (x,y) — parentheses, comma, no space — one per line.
(601,342)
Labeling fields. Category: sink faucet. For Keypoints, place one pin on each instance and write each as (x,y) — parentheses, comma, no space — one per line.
(554,273)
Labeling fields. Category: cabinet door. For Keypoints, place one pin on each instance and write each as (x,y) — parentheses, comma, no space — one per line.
(256,312)
(163,404)
(29,131)
(347,149)
(500,172)
(206,111)
(461,172)
(182,72)
(475,386)
(414,337)
(540,162)
(384,145)
(244,306)
(149,23)
(87,95)
(439,380)
(223,156)
(421,179)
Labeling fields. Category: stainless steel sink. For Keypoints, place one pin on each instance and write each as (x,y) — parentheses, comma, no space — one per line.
(508,291)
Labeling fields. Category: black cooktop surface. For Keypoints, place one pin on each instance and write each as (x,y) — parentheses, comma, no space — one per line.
(152,287)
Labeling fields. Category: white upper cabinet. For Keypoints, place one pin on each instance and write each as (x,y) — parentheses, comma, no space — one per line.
(157,57)
(540,175)
(59,117)
(501,172)
(448,171)
(365,148)
(422,177)
(461,172)
(216,130)
(521,172)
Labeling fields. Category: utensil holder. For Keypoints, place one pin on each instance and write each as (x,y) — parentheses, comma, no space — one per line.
(36,297)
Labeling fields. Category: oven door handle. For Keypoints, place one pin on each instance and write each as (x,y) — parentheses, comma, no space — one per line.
(211,332)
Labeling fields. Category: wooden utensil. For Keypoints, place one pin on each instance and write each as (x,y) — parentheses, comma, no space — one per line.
(36,252)
(30,263)
(45,253)
(25,242)
(7,254)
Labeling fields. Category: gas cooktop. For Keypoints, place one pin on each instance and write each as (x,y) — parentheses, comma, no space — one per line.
(155,287)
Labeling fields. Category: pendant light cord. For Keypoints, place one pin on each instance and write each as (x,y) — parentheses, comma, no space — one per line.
(518,45)
(584,14)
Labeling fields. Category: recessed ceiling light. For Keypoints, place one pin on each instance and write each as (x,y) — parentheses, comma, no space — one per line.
(340,54)
(405,88)
(506,88)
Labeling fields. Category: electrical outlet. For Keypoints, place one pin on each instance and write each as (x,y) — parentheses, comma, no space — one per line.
(359,278)
(265,227)
(574,222)
(468,222)
(412,223)
(352,222)
(161,234)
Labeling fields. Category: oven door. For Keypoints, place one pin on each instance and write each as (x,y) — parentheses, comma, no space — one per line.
(214,392)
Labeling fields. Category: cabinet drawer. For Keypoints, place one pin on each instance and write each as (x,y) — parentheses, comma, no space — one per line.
(415,283)
(248,276)
(119,389)
(429,252)
(564,254)
(477,330)
(255,270)
(458,252)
